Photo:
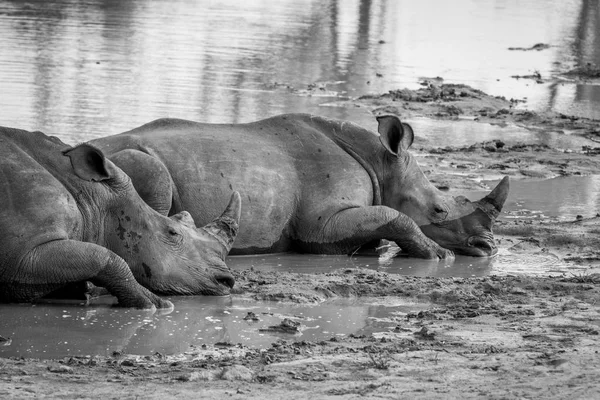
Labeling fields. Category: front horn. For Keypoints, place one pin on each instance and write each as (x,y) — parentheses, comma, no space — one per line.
(225,228)
(495,199)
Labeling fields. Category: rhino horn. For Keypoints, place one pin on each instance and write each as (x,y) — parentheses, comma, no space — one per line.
(225,227)
(496,198)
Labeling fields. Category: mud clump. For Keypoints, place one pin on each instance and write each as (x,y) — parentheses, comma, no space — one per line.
(286,326)
(251,316)
(434,92)
(536,76)
(535,47)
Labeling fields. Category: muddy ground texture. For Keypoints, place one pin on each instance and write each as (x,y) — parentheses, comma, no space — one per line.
(492,337)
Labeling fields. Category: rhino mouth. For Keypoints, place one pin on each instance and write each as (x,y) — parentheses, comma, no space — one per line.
(226,281)
(480,247)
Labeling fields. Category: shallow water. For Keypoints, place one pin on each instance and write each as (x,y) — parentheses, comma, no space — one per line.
(51,330)
(59,330)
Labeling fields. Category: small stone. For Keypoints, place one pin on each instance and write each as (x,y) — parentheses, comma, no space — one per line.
(251,316)
(286,326)
(128,363)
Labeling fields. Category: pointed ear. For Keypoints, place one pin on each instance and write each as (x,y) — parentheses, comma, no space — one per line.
(88,163)
(394,135)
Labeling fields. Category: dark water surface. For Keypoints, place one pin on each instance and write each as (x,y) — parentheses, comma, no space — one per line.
(85,69)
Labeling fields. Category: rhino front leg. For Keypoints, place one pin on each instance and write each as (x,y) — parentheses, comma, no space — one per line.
(360,225)
(66,261)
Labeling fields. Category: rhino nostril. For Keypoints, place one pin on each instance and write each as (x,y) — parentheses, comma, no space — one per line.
(225,279)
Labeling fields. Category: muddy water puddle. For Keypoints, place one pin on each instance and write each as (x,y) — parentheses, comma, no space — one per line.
(55,330)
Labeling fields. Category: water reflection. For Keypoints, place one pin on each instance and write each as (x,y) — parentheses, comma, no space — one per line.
(440,133)
(52,331)
(583,99)
(318,263)
(569,196)
(88,69)
(587,33)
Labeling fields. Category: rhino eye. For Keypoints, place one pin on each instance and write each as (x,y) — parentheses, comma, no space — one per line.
(439,210)
(172,231)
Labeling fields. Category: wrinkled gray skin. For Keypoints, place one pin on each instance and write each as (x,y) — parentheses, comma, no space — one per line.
(309,184)
(68,214)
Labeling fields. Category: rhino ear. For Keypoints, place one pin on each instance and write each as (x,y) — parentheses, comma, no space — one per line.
(394,135)
(88,163)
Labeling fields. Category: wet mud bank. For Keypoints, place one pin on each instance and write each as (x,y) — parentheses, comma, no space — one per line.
(484,337)
(497,337)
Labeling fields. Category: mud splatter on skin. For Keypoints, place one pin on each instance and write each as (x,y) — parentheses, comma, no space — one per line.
(121,231)
(130,237)
(147,270)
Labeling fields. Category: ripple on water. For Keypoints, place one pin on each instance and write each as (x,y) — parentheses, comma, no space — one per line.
(537,264)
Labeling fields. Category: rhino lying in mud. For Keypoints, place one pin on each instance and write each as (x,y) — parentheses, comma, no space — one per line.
(68,214)
(309,184)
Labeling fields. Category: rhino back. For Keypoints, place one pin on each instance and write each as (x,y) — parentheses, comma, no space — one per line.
(36,207)
(286,169)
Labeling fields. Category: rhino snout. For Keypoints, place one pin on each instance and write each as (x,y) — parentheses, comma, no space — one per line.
(484,245)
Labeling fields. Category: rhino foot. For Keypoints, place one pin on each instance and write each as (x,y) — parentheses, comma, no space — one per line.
(165,306)
(427,249)
(444,254)
(435,252)
(147,300)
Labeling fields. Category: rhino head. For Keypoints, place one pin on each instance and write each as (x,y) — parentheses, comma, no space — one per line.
(167,255)
(455,223)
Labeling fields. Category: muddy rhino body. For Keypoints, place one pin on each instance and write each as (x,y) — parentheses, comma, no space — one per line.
(68,214)
(308,183)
